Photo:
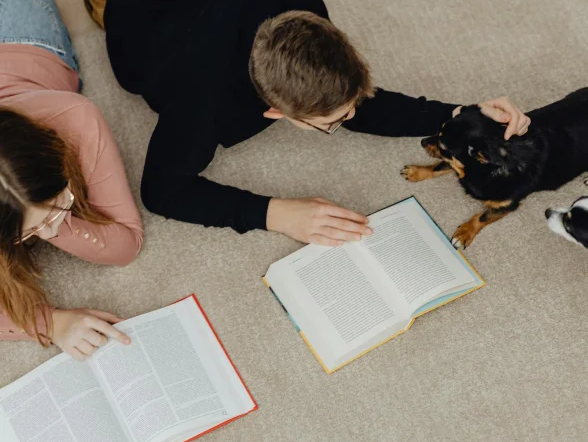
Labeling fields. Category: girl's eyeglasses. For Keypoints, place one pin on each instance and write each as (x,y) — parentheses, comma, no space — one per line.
(47,222)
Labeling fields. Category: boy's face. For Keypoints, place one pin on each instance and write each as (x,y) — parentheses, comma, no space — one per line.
(326,124)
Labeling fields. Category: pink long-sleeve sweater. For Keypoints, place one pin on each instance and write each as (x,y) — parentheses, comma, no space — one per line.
(39,85)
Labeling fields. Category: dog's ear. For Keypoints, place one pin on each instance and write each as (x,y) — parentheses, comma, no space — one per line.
(498,155)
(495,155)
(477,155)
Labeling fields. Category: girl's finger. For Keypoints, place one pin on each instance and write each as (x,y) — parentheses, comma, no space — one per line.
(96,339)
(106,316)
(76,354)
(108,330)
(85,347)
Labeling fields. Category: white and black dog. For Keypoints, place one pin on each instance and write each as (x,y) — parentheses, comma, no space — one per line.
(571,222)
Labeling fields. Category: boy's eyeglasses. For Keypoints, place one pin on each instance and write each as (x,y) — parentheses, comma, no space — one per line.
(333,126)
(51,218)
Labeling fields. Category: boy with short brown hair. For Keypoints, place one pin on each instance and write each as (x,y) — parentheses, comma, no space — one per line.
(212,68)
(286,47)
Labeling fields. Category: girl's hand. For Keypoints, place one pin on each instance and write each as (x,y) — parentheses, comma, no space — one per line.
(80,332)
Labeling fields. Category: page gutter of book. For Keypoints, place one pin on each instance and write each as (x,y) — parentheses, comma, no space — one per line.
(174,356)
(58,401)
(173,381)
(342,297)
(334,297)
(416,265)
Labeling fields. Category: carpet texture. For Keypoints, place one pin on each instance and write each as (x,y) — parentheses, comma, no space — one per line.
(506,363)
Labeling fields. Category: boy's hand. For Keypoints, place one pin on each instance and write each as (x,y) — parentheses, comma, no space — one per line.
(316,220)
(502,110)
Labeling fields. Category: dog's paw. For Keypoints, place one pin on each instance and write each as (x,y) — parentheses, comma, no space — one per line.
(416,173)
(464,235)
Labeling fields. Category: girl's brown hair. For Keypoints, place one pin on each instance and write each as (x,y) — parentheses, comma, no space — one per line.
(36,165)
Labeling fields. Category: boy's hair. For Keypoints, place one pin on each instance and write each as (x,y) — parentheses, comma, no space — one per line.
(304,66)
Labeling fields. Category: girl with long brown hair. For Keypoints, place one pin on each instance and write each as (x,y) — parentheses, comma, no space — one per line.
(61,180)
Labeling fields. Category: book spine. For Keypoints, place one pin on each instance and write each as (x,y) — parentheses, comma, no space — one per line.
(282,305)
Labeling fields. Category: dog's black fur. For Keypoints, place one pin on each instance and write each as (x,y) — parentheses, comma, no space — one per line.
(502,173)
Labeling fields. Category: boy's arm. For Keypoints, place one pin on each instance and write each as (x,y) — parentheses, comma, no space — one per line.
(181,147)
(393,114)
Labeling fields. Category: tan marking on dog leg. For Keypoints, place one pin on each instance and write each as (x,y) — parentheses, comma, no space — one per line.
(420,173)
(458,167)
(498,204)
(465,234)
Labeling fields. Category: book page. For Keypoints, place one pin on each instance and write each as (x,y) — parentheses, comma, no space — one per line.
(418,264)
(174,378)
(183,437)
(338,301)
(60,401)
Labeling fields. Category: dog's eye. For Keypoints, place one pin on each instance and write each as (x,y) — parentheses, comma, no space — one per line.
(568,216)
(471,151)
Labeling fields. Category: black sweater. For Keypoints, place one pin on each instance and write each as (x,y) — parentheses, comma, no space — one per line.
(189,61)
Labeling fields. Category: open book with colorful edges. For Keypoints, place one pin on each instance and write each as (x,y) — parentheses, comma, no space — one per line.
(345,301)
(174,383)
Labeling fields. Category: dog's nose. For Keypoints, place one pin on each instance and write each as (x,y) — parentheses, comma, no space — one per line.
(548,213)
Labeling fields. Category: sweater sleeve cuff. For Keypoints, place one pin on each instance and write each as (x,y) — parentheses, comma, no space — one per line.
(444,111)
(254,210)
(10,332)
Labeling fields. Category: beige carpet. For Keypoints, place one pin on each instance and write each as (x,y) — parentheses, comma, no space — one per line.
(507,363)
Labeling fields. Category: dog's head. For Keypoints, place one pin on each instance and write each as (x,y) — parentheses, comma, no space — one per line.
(473,141)
(571,222)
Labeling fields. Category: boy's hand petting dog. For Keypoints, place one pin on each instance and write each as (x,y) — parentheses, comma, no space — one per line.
(502,110)
(316,220)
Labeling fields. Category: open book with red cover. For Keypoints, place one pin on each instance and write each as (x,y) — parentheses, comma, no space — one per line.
(174,383)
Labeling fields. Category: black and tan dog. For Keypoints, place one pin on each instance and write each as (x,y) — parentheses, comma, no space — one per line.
(502,173)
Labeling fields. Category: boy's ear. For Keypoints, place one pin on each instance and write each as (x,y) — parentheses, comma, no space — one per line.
(273,114)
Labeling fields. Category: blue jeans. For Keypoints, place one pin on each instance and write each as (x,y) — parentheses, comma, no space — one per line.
(36,23)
